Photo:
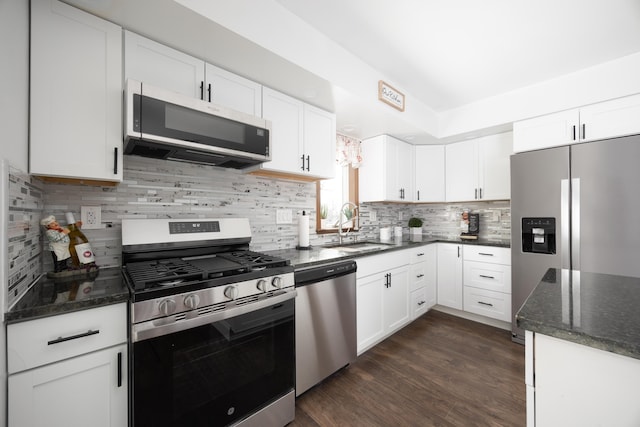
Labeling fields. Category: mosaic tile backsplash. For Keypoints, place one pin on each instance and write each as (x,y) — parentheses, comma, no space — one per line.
(24,248)
(165,189)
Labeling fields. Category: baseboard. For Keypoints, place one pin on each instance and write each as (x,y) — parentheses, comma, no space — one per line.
(474,317)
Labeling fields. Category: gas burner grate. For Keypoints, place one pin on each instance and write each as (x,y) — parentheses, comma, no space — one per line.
(256,260)
(155,273)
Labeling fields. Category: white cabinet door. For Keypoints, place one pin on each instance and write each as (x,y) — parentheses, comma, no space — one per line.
(429,173)
(610,119)
(159,65)
(551,130)
(76,94)
(232,91)
(494,166)
(286,115)
(387,170)
(462,171)
(450,275)
(88,390)
(370,306)
(319,147)
(396,299)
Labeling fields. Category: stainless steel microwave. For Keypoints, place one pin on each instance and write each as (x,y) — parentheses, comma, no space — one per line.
(166,125)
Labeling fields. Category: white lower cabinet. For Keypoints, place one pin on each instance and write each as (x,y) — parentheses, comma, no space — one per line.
(382,296)
(450,275)
(88,390)
(487,281)
(69,370)
(423,280)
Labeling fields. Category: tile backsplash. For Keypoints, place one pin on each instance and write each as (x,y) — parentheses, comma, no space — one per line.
(166,189)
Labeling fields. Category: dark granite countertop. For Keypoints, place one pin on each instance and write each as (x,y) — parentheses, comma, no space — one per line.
(318,255)
(596,310)
(48,297)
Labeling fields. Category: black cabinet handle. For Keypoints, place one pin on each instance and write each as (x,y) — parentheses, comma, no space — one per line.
(115,160)
(484,254)
(209,91)
(419,276)
(481,192)
(458,251)
(418,195)
(420,254)
(487,277)
(73,337)
(119,369)
(485,303)
(584,131)
(574,132)
(302,158)
(389,279)
(475,196)
(308,163)
(202,90)
(421,302)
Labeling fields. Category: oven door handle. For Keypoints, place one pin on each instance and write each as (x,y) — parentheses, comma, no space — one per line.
(153,328)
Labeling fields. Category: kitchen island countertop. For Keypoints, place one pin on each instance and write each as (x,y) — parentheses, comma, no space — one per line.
(48,297)
(595,310)
(317,255)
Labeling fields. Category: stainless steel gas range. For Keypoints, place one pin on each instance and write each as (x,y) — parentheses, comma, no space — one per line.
(212,325)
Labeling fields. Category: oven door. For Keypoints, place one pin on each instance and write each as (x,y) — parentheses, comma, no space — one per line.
(216,373)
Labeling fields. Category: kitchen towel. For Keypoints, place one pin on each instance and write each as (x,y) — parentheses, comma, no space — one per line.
(303,231)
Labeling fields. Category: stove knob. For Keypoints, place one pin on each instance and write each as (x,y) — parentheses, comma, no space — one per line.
(231,292)
(277,282)
(192,301)
(167,306)
(262,285)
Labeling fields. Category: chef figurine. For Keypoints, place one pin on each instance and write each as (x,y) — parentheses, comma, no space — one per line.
(58,243)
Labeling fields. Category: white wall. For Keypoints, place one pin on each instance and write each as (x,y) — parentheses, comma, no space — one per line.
(14,84)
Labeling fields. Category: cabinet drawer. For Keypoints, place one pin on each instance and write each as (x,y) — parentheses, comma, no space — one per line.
(418,302)
(487,303)
(41,341)
(492,277)
(419,255)
(387,260)
(490,254)
(417,279)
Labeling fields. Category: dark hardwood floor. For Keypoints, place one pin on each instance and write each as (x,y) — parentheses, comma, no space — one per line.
(440,370)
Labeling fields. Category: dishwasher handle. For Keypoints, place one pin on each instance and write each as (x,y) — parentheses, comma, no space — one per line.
(322,272)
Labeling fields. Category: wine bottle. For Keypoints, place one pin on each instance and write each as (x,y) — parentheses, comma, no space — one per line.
(79,247)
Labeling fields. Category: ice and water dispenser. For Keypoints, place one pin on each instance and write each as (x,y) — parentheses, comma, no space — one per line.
(539,235)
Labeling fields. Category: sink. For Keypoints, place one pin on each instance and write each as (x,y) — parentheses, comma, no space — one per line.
(359,247)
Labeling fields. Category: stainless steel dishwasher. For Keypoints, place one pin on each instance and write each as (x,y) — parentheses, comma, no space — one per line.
(325,321)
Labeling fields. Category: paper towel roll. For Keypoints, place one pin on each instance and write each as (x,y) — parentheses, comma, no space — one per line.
(303,230)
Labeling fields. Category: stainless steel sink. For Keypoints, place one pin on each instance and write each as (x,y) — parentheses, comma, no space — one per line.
(359,247)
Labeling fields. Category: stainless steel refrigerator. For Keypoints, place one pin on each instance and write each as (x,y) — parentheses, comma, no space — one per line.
(574,207)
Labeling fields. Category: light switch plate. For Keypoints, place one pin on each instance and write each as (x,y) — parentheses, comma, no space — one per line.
(91,217)
(284,216)
(373,216)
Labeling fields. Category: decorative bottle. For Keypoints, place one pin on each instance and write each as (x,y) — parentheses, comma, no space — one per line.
(79,247)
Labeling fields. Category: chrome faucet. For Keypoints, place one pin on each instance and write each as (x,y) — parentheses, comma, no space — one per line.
(341,234)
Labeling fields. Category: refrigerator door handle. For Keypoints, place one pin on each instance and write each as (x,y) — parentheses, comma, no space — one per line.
(575,224)
(565,251)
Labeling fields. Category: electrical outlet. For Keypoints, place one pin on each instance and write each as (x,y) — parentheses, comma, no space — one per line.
(91,217)
(284,216)
(400,216)
(373,216)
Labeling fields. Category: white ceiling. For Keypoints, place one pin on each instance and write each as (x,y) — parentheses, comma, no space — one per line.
(445,54)
(451,53)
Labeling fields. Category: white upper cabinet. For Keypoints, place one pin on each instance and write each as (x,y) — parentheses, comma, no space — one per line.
(76,95)
(387,172)
(303,138)
(159,65)
(479,169)
(429,168)
(608,119)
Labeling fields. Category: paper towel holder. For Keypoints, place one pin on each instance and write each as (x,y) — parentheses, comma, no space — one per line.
(306,230)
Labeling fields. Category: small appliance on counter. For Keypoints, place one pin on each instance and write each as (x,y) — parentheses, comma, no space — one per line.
(470,226)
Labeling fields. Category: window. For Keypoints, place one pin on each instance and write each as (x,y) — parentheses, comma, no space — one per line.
(331,195)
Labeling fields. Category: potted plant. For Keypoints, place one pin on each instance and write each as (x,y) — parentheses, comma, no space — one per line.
(324,214)
(348,214)
(415,225)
